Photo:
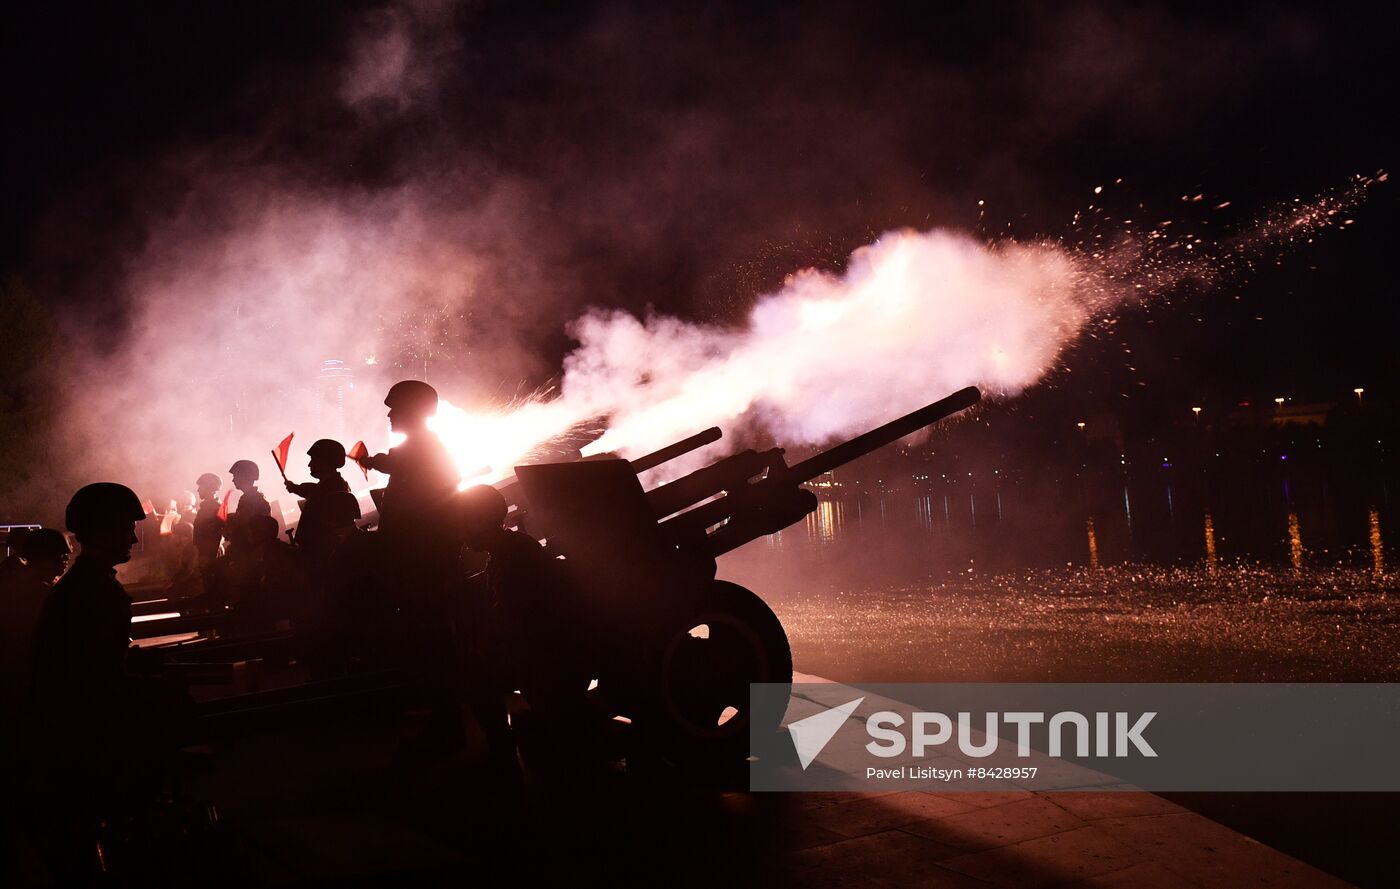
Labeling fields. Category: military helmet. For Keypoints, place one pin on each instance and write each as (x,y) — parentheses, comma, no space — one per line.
(208,480)
(482,505)
(329,450)
(415,396)
(44,543)
(102,506)
(244,466)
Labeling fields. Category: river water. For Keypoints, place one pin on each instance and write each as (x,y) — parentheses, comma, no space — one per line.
(1145,582)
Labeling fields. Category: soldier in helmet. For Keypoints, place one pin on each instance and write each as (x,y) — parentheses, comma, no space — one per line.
(522,637)
(84,629)
(422,474)
(208,527)
(104,729)
(331,510)
(328,515)
(416,550)
(251,502)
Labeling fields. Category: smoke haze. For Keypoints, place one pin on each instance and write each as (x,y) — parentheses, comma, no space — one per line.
(651,214)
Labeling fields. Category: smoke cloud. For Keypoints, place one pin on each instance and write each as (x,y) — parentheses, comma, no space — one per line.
(914,317)
(460,196)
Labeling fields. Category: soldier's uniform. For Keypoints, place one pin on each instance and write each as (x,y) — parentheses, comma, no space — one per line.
(422,478)
(208,526)
(524,636)
(81,642)
(416,549)
(251,503)
(330,512)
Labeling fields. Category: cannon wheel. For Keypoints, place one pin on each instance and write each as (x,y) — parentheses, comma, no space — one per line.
(696,703)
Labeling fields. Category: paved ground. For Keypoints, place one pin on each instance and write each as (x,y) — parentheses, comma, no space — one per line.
(1107,838)
(337,803)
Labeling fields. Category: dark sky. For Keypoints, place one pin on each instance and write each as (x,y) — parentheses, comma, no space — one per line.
(691,158)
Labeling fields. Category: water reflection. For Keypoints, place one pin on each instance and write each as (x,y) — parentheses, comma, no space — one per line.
(829,520)
(1295,541)
(1212,562)
(923,509)
(1377,547)
(1022,527)
(1093,545)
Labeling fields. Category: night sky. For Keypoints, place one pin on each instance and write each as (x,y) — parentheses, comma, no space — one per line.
(690,159)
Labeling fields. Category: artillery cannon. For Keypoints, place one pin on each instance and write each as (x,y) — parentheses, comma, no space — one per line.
(675,648)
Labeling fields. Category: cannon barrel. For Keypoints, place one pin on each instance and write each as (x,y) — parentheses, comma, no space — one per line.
(777,500)
(672,451)
(880,436)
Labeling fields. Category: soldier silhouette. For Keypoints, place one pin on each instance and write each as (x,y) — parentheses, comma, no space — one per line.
(104,727)
(208,527)
(186,507)
(415,549)
(522,637)
(251,502)
(103,731)
(84,628)
(331,510)
(256,578)
(422,474)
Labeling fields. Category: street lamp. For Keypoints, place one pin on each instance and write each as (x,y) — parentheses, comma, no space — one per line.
(1197,412)
(1358,390)
(1279,401)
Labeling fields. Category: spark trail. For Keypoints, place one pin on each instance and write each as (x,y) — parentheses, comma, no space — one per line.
(915,315)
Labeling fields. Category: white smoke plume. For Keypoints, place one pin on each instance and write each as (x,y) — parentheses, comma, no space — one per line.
(442,261)
(914,317)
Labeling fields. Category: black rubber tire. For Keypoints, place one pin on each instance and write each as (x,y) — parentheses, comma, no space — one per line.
(689,682)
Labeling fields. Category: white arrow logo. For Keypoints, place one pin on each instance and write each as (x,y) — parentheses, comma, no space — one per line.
(812,734)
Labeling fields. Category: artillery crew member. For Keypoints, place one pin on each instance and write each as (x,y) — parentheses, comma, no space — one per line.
(524,636)
(208,527)
(84,630)
(330,511)
(105,729)
(422,474)
(251,502)
(414,552)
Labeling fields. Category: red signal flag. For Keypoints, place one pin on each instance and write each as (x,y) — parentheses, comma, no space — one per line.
(282,450)
(357,451)
(223,507)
